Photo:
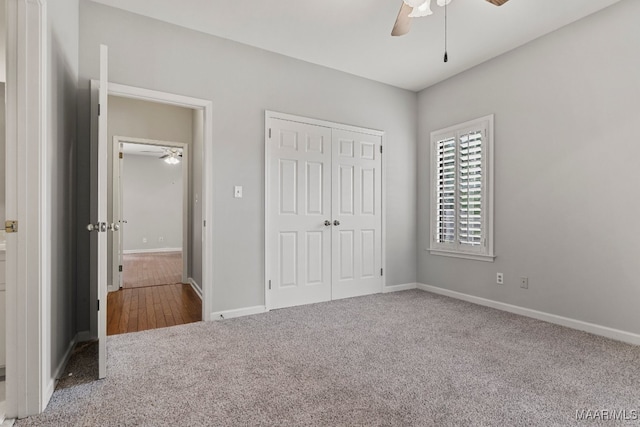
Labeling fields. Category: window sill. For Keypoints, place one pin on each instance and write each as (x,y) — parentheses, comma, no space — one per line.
(475,257)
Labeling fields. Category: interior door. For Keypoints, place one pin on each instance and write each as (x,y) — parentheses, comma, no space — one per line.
(357,216)
(101,224)
(299,215)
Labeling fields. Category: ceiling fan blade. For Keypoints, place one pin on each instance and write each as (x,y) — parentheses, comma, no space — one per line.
(403,22)
(498,2)
(165,156)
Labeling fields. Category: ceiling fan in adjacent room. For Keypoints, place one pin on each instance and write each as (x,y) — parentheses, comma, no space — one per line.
(418,8)
(172,155)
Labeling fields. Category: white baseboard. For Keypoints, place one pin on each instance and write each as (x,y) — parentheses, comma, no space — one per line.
(615,334)
(397,288)
(239,312)
(150,251)
(195,287)
(84,336)
(51,385)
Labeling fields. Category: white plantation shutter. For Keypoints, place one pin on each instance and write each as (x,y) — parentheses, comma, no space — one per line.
(470,188)
(461,210)
(446,185)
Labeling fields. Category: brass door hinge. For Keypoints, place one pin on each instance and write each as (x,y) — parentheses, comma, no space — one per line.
(11,226)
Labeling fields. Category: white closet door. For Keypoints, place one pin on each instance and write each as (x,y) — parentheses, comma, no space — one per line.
(299,242)
(357,216)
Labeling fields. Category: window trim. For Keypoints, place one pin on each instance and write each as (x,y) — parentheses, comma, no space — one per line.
(485,252)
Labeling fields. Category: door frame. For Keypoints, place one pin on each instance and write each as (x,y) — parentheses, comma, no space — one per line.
(268,115)
(116,186)
(28,251)
(206,107)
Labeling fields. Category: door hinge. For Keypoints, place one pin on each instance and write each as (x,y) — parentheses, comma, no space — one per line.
(11,226)
(204,223)
(269,284)
(98,109)
(120,268)
(269,132)
(381,149)
(381,271)
(98,305)
(121,155)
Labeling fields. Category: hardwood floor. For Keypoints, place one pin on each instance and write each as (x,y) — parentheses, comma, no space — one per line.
(138,309)
(149,269)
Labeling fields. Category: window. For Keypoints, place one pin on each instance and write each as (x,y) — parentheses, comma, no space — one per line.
(462,190)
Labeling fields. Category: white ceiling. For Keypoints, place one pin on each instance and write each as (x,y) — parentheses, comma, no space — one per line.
(354,35)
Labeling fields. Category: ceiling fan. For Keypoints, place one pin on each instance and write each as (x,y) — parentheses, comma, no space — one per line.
(169,155)
(417,8)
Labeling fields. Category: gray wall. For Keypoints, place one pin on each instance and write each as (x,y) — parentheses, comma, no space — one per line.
(242,82)
(152,203)
(62,120)
(566,171)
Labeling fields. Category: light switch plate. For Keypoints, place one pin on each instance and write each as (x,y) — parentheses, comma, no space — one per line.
(237,191)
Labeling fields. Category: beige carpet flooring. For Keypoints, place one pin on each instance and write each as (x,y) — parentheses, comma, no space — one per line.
(404,359)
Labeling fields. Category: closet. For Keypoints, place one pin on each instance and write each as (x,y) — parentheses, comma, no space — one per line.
(323,211)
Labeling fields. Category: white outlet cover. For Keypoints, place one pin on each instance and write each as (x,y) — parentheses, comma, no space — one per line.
(237,191)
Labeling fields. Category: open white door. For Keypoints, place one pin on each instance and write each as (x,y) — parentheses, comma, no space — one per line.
(102,210)
(100,227)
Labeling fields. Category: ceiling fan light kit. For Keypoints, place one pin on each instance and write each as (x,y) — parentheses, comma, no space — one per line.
(172,160)
(171,156)
(419,8)
(422,10)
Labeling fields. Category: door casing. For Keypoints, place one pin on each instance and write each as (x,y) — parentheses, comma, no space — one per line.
(206,108)
(28,271)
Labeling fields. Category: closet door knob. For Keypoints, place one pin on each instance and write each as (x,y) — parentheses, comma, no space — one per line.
(336,222)
(327,223)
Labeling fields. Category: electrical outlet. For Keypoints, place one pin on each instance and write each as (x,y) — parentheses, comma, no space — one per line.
(144,240)
(499,279)
(237,191)
(524,283)
(160,239)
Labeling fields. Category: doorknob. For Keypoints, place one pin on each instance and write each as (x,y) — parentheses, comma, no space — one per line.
(327,223)
(114,227)
(100,227)
(336,222)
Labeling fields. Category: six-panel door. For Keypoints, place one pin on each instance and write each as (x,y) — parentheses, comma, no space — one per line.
(299,242)
(356,205)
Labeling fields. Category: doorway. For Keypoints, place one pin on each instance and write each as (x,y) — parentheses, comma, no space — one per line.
(151,273)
